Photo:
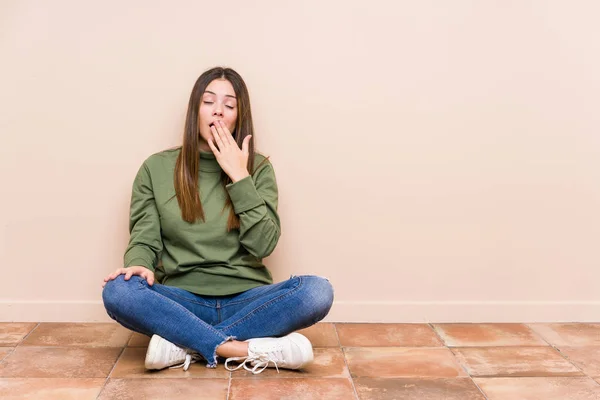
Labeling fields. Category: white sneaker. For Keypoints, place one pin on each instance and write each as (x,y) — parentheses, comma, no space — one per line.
(162,354)
(293,351)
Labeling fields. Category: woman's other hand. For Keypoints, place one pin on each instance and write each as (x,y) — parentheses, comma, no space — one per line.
(129,272)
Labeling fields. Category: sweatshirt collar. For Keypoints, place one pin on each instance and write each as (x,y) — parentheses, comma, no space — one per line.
(208,162)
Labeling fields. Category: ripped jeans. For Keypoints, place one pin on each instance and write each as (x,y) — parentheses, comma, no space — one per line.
(202,323)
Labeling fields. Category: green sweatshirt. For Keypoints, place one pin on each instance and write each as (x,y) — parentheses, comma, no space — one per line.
(202,257)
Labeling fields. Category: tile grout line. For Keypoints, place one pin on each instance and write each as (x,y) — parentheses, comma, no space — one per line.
(12,350)
(469,375)
(528,325)
(336,335)
(26,336)
(437,335)
(229,386)
(128,339)
(464,368)
(530,376)
(561,354)
(18,344)
(345,361)
(111,371)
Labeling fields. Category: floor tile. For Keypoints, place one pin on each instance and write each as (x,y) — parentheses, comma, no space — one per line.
(70,334)
(50,389)
(571,335)
(11,333)
(417,389)
(586,358)
(399,362)
(514,361)
(377,335)
(131,365)
(328,363)
(583,388)
(139,340)
(4,351)
(291,389)
(174,389)
(479,335)
(321,335)
(59,362)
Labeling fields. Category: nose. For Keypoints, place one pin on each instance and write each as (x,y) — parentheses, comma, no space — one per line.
(218,110)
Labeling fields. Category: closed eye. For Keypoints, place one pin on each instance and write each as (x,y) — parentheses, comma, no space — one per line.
(211,102)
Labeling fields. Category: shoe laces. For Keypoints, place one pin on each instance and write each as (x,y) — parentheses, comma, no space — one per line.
(190,358)
(260,360)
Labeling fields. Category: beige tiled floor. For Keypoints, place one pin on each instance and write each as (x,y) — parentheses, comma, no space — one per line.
(352,361)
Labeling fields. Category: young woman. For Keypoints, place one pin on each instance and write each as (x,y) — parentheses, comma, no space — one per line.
(208,211)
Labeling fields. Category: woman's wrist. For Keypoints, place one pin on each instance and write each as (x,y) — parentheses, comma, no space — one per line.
(239,176)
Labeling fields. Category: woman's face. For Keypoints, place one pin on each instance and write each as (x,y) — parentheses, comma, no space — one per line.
(218,103)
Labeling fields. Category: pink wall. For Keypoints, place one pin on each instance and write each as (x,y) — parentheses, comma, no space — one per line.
(438,161)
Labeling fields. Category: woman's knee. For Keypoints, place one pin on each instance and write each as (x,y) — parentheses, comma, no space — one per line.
(118,290)
(321,295)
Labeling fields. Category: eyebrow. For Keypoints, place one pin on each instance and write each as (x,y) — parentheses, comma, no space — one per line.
(227,95)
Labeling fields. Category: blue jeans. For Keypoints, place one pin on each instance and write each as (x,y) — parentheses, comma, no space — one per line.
(202,323)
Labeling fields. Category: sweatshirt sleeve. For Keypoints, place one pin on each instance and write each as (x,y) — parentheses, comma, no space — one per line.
(145,242)
(254,200)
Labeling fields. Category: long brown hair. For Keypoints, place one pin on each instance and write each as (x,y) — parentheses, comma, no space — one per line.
(186,168)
